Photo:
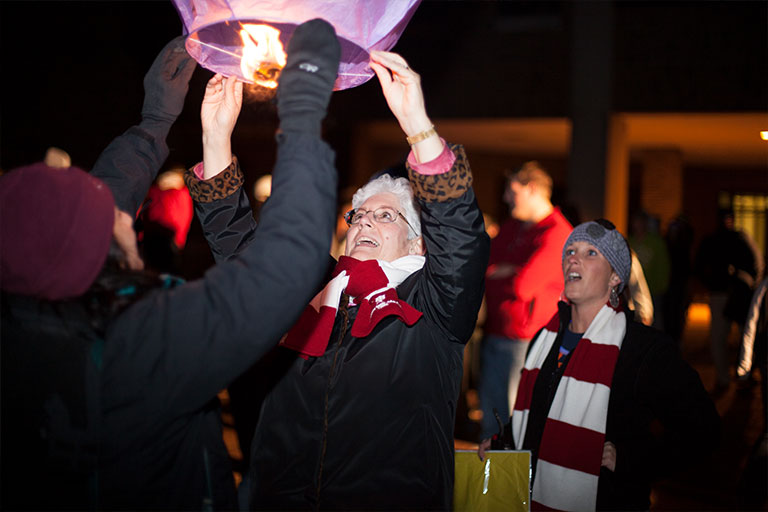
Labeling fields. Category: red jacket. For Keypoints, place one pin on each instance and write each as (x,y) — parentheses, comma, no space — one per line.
(521,303)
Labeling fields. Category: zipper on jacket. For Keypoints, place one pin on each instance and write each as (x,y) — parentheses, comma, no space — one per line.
(344,312)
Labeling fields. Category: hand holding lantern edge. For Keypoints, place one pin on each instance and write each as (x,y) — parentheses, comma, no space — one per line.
(165,87)
(218,114)
(402,89)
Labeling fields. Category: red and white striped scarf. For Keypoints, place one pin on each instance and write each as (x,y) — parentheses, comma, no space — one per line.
(371,285)
(571,448)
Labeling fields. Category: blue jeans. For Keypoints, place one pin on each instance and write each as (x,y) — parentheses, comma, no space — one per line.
(502,361)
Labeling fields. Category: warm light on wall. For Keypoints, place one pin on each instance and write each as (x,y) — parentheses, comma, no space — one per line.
(698,315)
(764,135)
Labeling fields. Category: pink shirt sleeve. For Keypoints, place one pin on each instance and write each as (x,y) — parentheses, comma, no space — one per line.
(198,170)
(439,165)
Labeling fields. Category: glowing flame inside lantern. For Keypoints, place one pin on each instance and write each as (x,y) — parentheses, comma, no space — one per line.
(263,54)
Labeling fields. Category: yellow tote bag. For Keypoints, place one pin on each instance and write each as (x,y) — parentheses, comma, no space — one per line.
(500,482)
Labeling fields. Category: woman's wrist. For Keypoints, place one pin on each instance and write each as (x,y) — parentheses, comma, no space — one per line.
(213,140)
(413,127)
(216,157)
(428,146)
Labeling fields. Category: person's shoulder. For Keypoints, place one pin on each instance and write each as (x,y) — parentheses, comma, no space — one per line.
(643,339)
(556,221)
(646,332)
(555,227)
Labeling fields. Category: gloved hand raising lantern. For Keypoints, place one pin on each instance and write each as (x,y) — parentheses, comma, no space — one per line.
(165,87)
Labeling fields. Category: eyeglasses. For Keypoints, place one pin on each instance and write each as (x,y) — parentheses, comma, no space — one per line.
(383,215)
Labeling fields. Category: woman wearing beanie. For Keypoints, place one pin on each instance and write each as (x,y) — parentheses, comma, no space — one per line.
(109,376)
(606,405)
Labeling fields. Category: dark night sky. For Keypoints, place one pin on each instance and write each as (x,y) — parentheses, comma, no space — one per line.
(73,73)
(73,70)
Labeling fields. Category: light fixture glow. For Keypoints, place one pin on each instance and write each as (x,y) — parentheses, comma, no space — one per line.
(764,134)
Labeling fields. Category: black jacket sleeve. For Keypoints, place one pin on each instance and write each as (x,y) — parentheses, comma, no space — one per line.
(223,209)
(182,346)
(457,248)
(129,165)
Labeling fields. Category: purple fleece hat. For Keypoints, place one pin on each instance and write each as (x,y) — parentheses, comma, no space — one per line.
(55,230)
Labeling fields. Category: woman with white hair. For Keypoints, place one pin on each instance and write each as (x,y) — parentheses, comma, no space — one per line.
(362,416)
(605,404)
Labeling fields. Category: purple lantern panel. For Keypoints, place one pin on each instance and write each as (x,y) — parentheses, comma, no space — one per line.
(214,30)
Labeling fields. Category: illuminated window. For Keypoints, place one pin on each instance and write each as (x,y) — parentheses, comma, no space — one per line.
(749,214)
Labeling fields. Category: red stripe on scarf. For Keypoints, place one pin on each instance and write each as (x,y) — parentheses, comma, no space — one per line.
(593,362)
(309,336)
(364,276)
(554,323)
(572,446)
(525,389)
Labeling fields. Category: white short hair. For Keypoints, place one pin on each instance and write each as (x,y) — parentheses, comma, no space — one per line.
(400,188)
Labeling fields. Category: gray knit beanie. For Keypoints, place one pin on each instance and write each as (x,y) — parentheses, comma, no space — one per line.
(609,242)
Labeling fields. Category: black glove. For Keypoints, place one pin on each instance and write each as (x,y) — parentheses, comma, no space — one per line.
(306,83)
(165,87)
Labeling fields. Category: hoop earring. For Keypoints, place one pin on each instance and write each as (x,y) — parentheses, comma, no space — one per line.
(614,298)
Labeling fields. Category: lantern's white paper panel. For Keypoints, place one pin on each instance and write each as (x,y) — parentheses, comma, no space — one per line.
(213,28)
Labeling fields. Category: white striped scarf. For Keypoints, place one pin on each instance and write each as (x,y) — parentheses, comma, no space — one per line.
(571,448)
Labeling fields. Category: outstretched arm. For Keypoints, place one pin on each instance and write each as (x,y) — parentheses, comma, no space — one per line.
(452,223)
(221,204)
(402,89)
(215,328)
(130,163)
(305,85)
(218,115)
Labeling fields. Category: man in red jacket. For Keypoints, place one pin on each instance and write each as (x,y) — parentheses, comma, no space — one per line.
(523,286)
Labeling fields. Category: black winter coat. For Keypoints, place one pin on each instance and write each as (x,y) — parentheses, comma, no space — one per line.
(369,425)
(150,436)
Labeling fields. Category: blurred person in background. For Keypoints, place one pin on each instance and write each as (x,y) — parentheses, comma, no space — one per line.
(729,265)
(58,158)
(521,288)
(637,293)
(652,252)
(679,239)
(164,221)
(753,355)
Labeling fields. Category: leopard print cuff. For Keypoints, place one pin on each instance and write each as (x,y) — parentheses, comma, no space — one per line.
(224,184)
(446,186)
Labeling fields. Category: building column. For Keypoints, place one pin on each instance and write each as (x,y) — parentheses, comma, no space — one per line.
(591,104)
(617,174)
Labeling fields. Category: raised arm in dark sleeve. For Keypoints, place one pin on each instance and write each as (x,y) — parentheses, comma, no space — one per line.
(223,209)
(457,247)
(130,163)
(216,327)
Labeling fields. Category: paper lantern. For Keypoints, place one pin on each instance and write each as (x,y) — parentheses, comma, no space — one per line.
(214,32)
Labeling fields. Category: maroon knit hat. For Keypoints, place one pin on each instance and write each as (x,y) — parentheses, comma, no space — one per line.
(55,230)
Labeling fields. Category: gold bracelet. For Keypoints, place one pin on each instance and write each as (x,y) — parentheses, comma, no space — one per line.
(413,139)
